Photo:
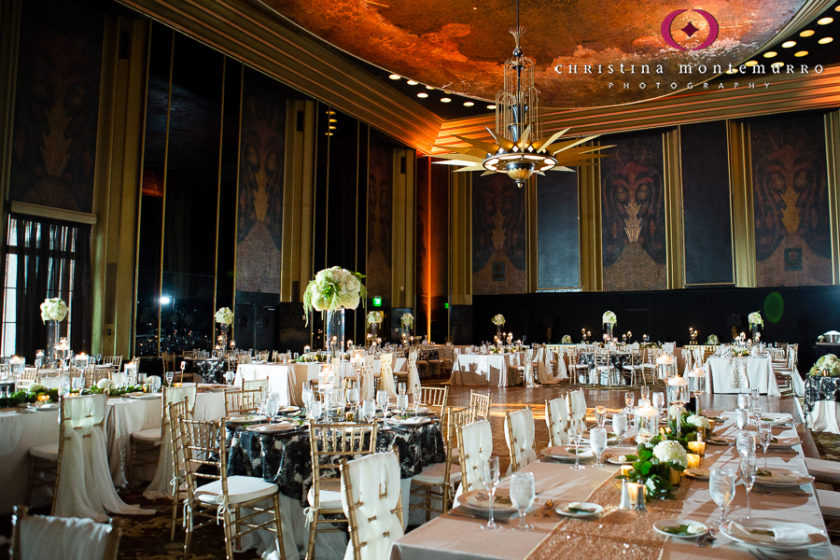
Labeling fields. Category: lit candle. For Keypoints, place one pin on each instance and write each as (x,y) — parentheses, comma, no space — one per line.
(625,470)
(648,419)
(698,447)
(693,460)
(637,494)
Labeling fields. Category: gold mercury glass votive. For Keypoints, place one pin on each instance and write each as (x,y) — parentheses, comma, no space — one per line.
(698,447)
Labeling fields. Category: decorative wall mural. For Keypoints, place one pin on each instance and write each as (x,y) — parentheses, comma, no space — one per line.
(790,200)
(498,236)
(380,215)
(260,228)
(57,104)
(633,214)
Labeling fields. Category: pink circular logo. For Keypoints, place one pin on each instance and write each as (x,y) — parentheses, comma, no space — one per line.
(689,29)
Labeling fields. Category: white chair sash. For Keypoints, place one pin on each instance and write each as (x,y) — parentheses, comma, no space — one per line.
(413,374)
(558,421)
(162,485)
(477,443)
(521,430)
(64,538)
(577,404)
(386,375)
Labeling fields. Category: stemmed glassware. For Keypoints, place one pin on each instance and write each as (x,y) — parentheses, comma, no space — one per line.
(742,418)
(659,402)
(416,396)
(491,482)
(306,395)
(576,431)
(402,403)
(598,443)
(170,375)
(629,398)
(522,494)
(382,400)
(644,392)
(401,388)
(722,489)
(600,416)
(619,422)
(747,471)
(369,410)
(765,436)
(77,384)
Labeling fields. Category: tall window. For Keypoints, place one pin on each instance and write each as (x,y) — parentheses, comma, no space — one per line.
(44,258)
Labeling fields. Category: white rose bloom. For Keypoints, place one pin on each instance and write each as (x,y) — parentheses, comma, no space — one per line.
(670,451)
(104,384)
(676,409)
(698,421)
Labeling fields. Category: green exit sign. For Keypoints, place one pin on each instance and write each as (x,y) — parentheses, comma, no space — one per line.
(446,305)
(376,301)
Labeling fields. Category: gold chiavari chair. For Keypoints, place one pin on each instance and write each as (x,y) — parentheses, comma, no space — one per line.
(374,511)
(116,361)
(434,397)
(168,361)
(242,401)
(480,403)
(94,374)
(519,434)
(178,412)
(436,482)
(475,444)
(102,538)
(213,495)
(557,418)
(259,384)
(26,378)
(330,444)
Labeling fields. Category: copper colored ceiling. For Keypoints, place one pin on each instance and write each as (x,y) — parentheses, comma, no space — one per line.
(459,45)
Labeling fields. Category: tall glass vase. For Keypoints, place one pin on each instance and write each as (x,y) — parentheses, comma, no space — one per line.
(334,331)
(608,329)
(755,331)
(224,329)
(53,332)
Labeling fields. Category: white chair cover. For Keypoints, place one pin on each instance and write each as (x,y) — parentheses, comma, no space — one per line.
(62,538)
(367,383)
(165,481)
(577,404)
(558,421)
(261,384)
(521,428)
(85,487)
(375,496)
(528,369)
(542,362)
(477,442)
(386,375)
(413,374)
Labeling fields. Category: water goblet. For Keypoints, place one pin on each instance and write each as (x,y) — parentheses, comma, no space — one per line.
(659,401)
(272,405)
(416,398)
(722,489)
(742,418)
(77,384)
(629,398)
(619,422)
(765,436)
(522,494)
(644,392)
(598,443)
(600,416)
(170,375)
(747,471)
(382,400)
(745,443)
(744,400)
(401,388)
(402,403)
(369,409)
(576,431)
(491,481)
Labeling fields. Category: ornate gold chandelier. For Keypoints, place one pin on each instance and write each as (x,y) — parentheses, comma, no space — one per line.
(517,122)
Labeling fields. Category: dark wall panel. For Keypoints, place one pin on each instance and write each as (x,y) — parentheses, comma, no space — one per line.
(706,203)
(558,236)
(380,215)
(498,236)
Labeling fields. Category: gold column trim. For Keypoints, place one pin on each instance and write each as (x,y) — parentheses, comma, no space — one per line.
(403,230)
(672,185)
(589,224)
(460,238)
(743,217)
(218,198)
(832,148)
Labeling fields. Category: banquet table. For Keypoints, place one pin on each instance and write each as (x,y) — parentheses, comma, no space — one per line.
(484,369)
(739,374)
(617,533)
(822,403)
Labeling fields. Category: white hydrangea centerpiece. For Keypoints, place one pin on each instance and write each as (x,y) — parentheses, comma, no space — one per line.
(333,289)
(712,340)
(224,316)
(104,384)
(567,339)
(498,319)
(375,317)
(670,451)
(826,366)
(698,422)
(755,318)
(53,309)
(407,319)
(609,318)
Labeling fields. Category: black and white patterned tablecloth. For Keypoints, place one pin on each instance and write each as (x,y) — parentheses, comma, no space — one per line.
(821,389)
(284,458)
(211,370)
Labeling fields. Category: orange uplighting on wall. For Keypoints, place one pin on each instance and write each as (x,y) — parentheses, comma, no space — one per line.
(429,250)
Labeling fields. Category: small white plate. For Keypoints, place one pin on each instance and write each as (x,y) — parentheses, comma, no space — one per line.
(271,428)
(595,509)
(411,421)
(776,418)
(142,396)
(663,525)
(246,419)
(782,478)
(784,443)
(47,407)
(567,453)
(761,534)
(480,500)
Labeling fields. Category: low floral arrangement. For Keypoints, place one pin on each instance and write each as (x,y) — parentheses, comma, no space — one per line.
(567,339)
(755,318)
(224,316)
(657,465)
(110,390)
(35,393)
(53,309)
(375,317)
(609,318)
(712,340)
(498,319)
(740,352)
(407,319)
(826,366)
(310,357)
(333,289)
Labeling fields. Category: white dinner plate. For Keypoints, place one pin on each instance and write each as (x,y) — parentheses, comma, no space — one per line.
(144,395)
(411,421)
(694,529)
(47,407)
(591,508)
(765,534)
(781,478)
(567,453)
(776,418)
(270,428)
(288,409)
(246,419)
(480,500)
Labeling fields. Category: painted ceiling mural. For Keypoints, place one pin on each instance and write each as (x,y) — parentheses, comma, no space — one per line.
(459,45)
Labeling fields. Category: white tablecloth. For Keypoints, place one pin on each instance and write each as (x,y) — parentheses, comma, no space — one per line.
(483,369)
(824,417)
(751,372)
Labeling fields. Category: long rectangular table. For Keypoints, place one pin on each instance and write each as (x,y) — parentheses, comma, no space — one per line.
(616,533)
(739,375)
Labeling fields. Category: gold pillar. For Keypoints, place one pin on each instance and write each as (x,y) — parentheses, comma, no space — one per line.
(832,148)
(298,189)
(531,239)
(403,232)
(674,240)
(589,196)
(117,183)
(460,238)
(743,218)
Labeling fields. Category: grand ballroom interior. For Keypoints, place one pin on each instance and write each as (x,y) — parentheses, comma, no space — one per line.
(389,280)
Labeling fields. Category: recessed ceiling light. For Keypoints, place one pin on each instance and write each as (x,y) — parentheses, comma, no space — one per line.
(825,21)
(445,100)
(800,54)
(330,112)
(331,127)
(825,40)
(412,82)
(491,107)
(837,8)
(422,95)
(332,120)
(778,64)
(806,33)
(394,76)
(788,44)
(430,88)
(750,63)
(770,54)
(468,103)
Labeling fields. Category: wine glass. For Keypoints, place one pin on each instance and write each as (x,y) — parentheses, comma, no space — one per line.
(745,443)
(402,403)
(272,405)
(722,489)
(77,384)
(659,401)
(619,422)
(416,397)
(644,392)
(755,405)
(382,400)
(491,481)
(315,409)
(600,416)
(307,396)
(598,443)
(742,418)
(522,494)
(401,387)
(576,431)
(629,398)
(743,400)
(369,409)
(747,471)
(170,375)
(765,436)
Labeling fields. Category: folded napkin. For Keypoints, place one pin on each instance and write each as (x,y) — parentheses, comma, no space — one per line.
(791,534)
